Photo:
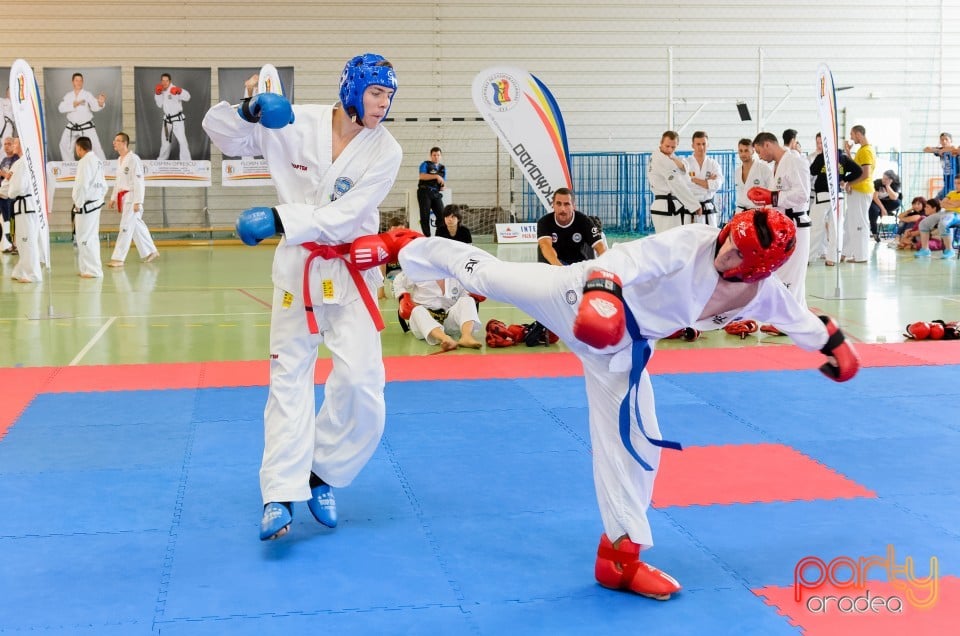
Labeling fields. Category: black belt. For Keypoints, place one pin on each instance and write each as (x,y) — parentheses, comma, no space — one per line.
(816,197)
(671,206)
(175,117)
(80,127)
(795,217)
(87,209)
(20,205)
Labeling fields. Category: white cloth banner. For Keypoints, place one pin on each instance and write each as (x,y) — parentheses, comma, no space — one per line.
(516,232)
(245,172)
(527,119)
(176,174)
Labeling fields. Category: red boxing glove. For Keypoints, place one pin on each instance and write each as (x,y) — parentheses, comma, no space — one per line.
(936,330)
(762,196)
(406,306)
(847,360)
(175,90)
(373,250)
(601,321)
(918,330)
(159,89)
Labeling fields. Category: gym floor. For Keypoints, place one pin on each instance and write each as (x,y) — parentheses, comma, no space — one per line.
(200,303)
(131,435)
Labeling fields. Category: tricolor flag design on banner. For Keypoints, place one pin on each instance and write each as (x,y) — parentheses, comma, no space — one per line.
(28,117)
(527,119)
(827,111)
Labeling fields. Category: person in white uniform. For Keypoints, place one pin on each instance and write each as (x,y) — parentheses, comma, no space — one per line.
(791,195)
(79,105)
(824,222)
(752,173)
(670,185)
(170,98)
(332,166)
(89,191)
(705,179)
(18,189)
(127,197)
(438,310)
(633,294)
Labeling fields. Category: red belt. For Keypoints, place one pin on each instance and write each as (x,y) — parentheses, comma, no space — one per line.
(329,252)
(120,196)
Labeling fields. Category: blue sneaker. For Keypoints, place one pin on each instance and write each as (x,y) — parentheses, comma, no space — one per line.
(323,505)
(922,252)
(275,521)
(949,253)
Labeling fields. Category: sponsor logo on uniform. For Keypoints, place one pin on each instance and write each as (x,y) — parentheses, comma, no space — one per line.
(340,187)
(470,265)
(501,93)
(570,296)
(299,166)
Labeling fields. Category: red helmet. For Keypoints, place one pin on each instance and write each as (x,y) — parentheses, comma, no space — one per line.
(765,238)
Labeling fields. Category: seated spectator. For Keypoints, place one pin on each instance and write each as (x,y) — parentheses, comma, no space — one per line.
(437,311)
(452,226)
(886,200)
(943,220)
(910,222)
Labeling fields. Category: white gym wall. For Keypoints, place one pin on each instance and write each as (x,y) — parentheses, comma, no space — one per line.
(606,62)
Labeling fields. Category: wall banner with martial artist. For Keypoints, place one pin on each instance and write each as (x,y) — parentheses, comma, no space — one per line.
(170,105)
(237,84)
(82,102)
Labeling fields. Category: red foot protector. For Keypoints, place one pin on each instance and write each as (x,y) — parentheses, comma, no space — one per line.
(892,605)
(747,473)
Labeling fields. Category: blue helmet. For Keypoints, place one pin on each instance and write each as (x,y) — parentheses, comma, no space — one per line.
(360,73)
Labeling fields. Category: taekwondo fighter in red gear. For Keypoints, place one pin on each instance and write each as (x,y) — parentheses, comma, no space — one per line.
(609,310)
(332,166)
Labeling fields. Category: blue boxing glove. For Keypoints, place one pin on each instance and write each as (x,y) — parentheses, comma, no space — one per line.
(256,224)
(268,109)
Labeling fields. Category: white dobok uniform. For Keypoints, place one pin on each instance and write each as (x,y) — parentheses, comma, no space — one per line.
(89,190)
(760,175)
(791,177)
(330,203)
(709,170)
(452,299)
(173,126)
(28,223)
(79,123)
(667,280)
(672,194)
(128,189)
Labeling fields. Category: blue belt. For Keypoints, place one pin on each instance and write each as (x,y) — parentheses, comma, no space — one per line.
(640,354)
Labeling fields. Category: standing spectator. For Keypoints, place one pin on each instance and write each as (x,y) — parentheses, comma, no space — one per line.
(7,245)
(89,189)
(452,226)
(17,187)
(752,173)
(824,223)
(670,185)
(566,236)
(705,177)
(127,198)
(856,239)
(791,195)
(332,166)
(7,126)
(170,100)
(431,180)
(886,200)
(79,105)
(948,161)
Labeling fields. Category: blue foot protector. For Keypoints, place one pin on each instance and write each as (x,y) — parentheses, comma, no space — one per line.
(323,505)
(275,522)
